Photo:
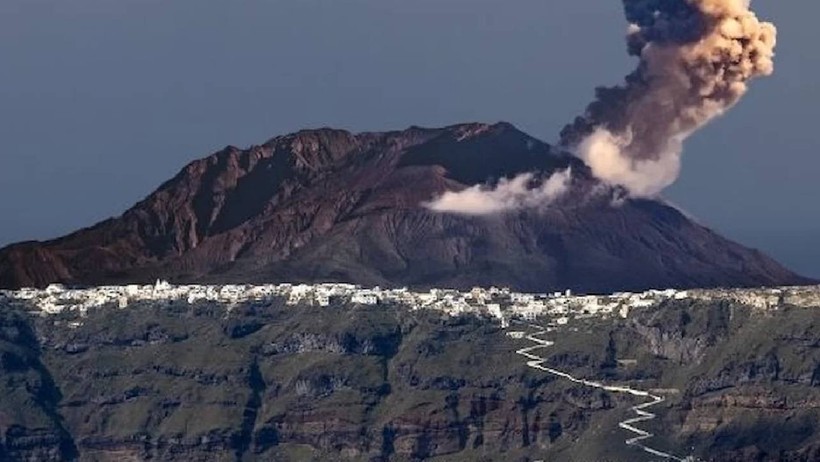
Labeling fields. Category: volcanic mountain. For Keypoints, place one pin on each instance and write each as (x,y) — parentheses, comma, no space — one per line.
(328,205)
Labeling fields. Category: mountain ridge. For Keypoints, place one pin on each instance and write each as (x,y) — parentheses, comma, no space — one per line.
(327,204)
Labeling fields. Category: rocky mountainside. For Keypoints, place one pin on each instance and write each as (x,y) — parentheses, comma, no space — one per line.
(326,205)
(175,381)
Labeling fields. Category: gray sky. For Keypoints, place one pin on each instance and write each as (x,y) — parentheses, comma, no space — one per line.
(101,100)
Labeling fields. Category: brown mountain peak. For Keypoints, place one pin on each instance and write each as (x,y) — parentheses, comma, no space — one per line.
(327,204)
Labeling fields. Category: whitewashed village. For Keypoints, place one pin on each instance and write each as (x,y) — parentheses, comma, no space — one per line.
(499,303)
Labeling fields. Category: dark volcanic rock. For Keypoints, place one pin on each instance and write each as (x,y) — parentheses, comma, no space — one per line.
(384,383)
(329,205)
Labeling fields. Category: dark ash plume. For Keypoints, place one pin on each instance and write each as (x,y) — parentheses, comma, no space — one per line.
(696,58)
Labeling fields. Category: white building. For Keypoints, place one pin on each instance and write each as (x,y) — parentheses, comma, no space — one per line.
(365,297)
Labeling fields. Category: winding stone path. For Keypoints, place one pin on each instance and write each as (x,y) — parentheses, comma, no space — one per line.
(537,362)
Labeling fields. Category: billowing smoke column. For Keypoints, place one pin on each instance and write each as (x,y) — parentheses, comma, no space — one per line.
(696,58)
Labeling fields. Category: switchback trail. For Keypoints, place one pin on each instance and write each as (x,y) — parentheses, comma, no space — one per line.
(537,362)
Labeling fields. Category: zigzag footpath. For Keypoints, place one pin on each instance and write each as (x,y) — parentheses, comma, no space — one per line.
(537,362)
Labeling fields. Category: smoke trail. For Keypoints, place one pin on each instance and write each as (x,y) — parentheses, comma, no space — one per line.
(696,58)
(522,191)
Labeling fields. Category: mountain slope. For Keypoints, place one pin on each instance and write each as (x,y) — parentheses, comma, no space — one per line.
(330,205)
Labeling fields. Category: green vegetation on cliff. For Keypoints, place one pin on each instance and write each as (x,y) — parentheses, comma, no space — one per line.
(263,381)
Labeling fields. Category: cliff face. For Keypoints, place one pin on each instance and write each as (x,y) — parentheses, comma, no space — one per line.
(329,205)
(267,382)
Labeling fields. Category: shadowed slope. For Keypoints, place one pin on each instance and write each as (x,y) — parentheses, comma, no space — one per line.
(326,204)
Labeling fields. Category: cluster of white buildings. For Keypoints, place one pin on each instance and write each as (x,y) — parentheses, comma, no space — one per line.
(499,303)
(765,298)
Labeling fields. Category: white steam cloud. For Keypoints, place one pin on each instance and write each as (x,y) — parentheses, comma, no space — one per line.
(606,155)
(519,192)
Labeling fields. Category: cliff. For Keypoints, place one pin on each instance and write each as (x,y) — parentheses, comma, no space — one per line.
(262,381)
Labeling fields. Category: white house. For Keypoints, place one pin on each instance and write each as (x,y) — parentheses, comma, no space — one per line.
(322,299)
(365,297)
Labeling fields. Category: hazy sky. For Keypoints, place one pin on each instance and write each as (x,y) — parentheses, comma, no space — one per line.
(102,100)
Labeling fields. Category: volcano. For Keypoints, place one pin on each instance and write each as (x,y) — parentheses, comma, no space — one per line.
(328,205)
